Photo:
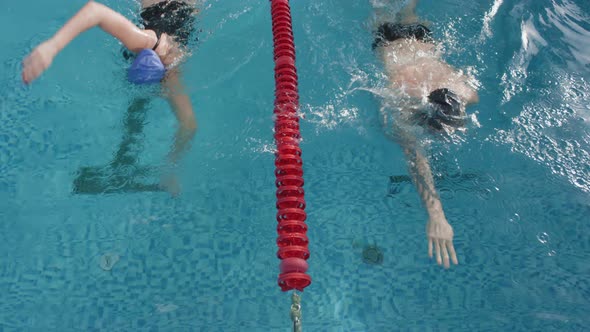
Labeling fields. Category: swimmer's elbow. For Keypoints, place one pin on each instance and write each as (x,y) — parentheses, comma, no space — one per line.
(189,127)
(95,12)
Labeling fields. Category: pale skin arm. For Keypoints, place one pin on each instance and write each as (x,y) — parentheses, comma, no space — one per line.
(183,109)
(91,15)
(438,231)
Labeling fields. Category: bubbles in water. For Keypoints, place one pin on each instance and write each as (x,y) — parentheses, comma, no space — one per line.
(543,237)
(515,218)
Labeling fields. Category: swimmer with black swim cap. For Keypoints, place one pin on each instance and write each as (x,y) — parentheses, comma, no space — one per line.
(159,45)
(430,94)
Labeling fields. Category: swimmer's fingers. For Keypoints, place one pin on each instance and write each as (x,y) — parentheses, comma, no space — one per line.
(26,68)
(38,61)
(30,70)
(438,251)
(452,253)
(430,247)
(33,66)
(445,254)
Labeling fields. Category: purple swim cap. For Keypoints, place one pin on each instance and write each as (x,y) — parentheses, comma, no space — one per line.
(147,68)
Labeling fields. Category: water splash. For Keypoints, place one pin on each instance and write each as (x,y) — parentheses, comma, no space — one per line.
(514,80)
(486,31)
(568,18)
(547,133)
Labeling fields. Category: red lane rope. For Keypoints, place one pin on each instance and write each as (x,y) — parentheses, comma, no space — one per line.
(292,240)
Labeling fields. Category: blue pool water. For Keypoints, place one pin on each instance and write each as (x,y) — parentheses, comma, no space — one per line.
(515,186)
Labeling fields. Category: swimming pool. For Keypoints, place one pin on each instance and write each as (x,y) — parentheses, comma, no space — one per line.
(516,186)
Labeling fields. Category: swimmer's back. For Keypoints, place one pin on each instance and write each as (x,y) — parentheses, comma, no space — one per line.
(416,68)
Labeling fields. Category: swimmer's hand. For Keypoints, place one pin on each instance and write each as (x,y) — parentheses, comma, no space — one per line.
(38,61)
(169,182)
(440,236)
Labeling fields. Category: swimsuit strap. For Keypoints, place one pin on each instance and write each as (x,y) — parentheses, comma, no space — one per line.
(158,34)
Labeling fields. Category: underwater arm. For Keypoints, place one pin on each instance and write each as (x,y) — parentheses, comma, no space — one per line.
(438,230)
(91,15)
(183,109)
(187,127)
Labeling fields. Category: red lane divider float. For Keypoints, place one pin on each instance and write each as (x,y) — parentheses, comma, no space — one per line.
(292,240)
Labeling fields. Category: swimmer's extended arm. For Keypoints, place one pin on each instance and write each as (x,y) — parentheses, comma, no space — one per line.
(91,15)
(438,230)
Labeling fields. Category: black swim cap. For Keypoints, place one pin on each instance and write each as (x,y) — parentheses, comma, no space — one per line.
(448,109)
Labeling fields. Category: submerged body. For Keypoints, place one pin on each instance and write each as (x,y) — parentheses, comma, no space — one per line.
(427,92)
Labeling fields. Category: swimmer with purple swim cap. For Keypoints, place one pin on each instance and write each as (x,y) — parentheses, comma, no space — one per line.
(147,68)
(160,45)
